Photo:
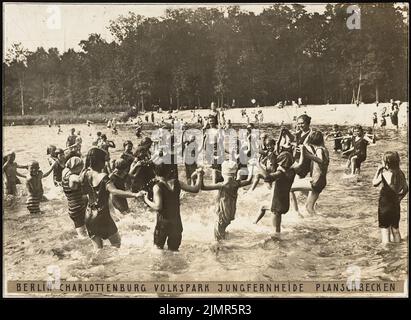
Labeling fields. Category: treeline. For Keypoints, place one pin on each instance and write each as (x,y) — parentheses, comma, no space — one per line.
(192,57)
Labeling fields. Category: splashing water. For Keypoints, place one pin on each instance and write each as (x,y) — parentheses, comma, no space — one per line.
(343,233)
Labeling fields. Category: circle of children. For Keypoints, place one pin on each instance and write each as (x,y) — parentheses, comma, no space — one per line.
(297,161)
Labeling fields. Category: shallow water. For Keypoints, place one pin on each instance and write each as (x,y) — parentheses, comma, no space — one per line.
(344,233)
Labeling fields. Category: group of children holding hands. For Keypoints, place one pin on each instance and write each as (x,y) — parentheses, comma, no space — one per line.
(295,162)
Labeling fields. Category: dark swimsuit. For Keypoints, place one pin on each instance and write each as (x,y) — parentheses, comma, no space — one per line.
(169,226)
(319,174)
(119,203)
(281,194)
(360,150)
(306,165)
(98,219)
(388,207)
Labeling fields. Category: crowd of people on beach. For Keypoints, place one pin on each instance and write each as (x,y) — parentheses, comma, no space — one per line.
(294,161)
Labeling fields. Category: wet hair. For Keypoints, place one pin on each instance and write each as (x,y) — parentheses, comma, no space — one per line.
(392,160)
(34,164)
(305,118)
(96,159)
(103,136)
(73,130)
(98,134)
(270,142)
(316,138)
(359,128)
(51,150)
(126,143)
(58,151)
(7,156)
(121,164)
(166,171)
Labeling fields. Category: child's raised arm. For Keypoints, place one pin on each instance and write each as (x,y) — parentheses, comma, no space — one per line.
(197,187)
(20,175)
(22,166)
(157,203)
(348,151)
(50,170)
(120,193)
(377,177)
(212,186)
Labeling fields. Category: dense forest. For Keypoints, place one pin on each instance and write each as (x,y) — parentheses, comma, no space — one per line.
(192,57)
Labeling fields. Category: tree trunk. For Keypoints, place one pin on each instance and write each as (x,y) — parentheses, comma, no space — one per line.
(21,95)
(376,93)
(70,97)
(142,103)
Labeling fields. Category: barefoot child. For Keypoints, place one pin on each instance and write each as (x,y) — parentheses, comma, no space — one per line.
(10,173)
(227,196)
(77,202)
(393,190)
(166,201)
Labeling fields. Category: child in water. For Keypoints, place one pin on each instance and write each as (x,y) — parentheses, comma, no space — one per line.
(118,178)
(98,187)
(337,135)
(77,202)
(166,201)
(267,163)
(394,189)
(57,161)
(34,188)
(282,180)
(358,151)
(10,173)
(227,196)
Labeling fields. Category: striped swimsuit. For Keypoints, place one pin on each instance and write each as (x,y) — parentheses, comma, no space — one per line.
(77,203)
(33,200)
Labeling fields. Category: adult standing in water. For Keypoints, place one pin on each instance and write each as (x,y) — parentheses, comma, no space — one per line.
(301,137)
(97,185)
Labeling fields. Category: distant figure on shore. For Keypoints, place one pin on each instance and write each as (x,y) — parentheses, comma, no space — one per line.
(59,129)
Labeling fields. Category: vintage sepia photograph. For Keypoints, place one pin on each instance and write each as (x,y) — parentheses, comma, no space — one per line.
(205,150)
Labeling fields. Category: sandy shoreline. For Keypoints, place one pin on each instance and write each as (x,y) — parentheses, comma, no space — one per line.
(341,114)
